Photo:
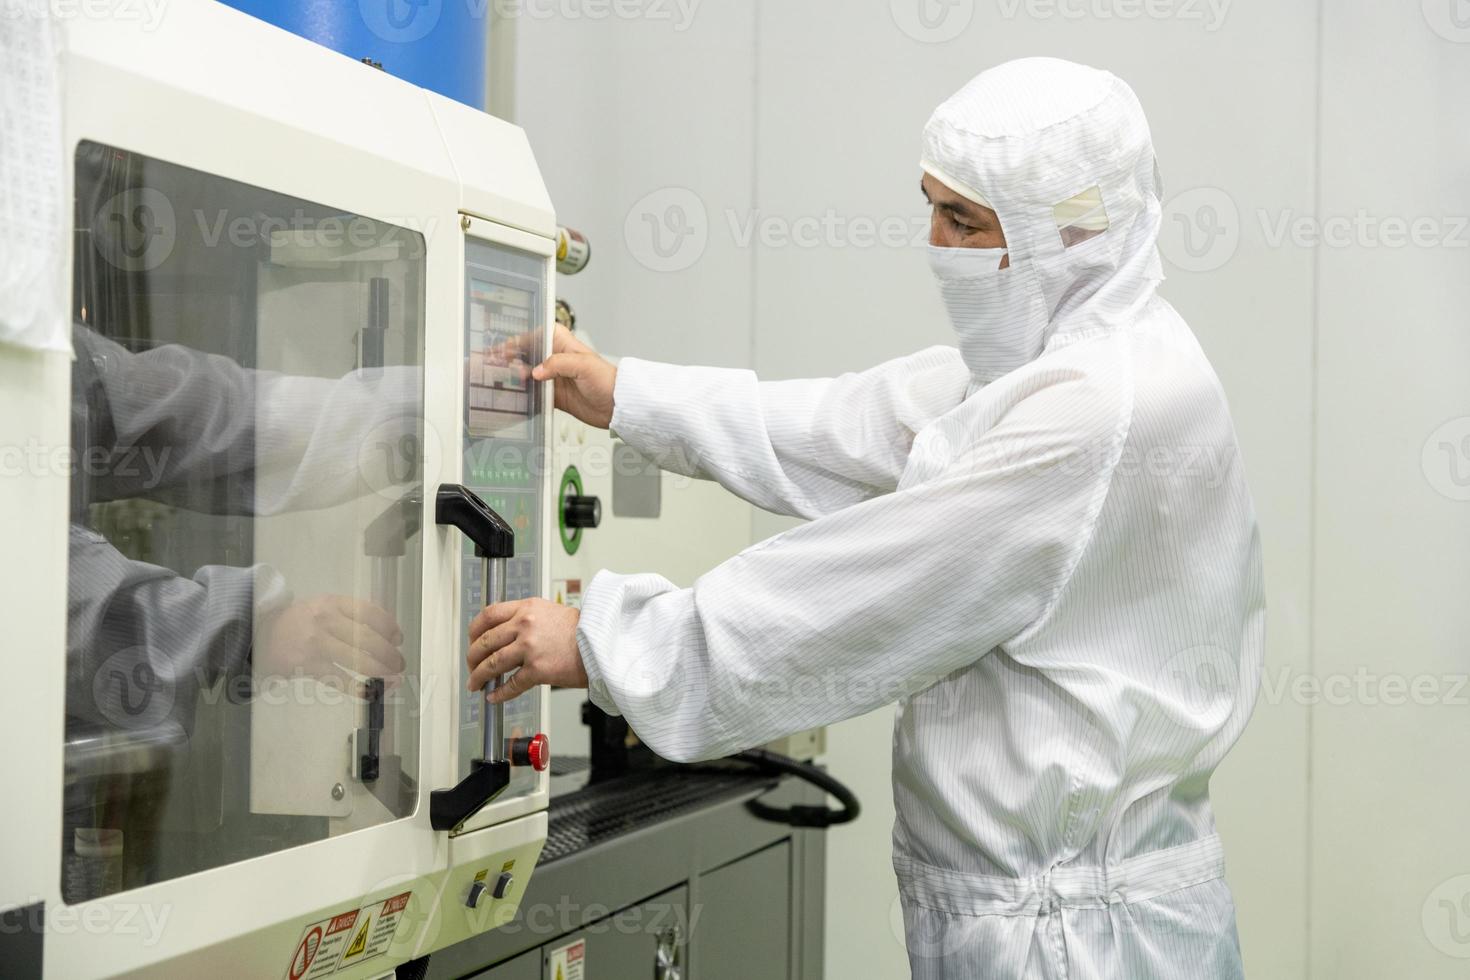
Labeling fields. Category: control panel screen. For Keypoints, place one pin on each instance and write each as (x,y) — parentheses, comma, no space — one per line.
(499,390)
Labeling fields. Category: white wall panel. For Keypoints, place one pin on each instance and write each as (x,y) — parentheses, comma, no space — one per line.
(643,127)
(1390,855)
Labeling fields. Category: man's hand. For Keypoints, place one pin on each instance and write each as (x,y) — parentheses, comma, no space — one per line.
(584,381)
(330,635)
(537,636)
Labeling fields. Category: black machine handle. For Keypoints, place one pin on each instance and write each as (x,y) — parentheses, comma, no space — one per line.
(369,762)
(494,540)
(448,808)
(458,506)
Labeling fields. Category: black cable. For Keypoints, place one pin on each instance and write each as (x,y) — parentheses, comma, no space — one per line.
(801,816)
(413,969)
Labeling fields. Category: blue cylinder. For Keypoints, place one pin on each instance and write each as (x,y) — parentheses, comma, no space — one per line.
(436,44)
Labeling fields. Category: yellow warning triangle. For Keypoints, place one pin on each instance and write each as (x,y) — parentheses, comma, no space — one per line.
(558,972)
(360,943)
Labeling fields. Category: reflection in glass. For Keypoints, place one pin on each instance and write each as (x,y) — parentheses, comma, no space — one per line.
(244,548)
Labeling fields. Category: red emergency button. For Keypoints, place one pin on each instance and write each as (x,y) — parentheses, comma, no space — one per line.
(534,752)
(539,752)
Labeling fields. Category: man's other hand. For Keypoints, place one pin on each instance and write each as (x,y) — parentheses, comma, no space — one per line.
(535,638)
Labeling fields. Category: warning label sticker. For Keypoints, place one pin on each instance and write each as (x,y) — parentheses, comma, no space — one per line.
(346,939)
(359,945)
(567,592)
(569,962)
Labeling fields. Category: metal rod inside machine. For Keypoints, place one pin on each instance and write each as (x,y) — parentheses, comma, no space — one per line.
(492,728)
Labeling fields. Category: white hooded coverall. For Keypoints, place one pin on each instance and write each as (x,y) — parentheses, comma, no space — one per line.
(1040,544)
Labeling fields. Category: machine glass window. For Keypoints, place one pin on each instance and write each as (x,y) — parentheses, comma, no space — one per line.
(505,333)
(245,551)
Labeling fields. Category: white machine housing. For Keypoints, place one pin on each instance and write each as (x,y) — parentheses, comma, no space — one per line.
(217,91)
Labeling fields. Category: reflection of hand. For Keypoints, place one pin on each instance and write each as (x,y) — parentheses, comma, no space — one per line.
(537,636)
(519,347)
(494,360)
(496,364)
(584,381)
(329,635)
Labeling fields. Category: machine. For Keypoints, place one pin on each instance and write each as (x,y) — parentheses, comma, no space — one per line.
(295,451)
(292,449)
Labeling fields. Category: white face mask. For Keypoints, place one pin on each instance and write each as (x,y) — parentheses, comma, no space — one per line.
(997,314)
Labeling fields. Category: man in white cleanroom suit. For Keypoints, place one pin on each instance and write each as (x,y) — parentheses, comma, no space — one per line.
(1040,543)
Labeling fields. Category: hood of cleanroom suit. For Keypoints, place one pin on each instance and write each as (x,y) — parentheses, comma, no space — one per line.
(1040,544)
(1026,139)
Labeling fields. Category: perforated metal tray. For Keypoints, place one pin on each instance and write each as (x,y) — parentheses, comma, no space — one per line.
(607,810)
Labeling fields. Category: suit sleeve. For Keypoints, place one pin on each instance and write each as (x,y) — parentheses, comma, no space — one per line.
(865,606)
(144,641)
(197,430)
(804,448)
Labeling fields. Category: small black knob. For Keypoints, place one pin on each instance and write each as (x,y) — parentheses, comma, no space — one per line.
(581,511)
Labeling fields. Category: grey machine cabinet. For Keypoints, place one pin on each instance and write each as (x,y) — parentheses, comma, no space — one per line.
(738,929)
(527,966)
(744,925)
(724,897)
(647,940)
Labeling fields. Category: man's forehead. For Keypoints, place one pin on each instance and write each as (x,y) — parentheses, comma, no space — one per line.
(936,192)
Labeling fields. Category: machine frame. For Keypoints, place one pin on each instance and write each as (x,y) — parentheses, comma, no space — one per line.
(216,90)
